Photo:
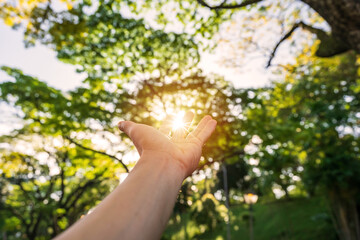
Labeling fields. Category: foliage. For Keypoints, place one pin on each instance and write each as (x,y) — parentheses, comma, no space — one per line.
(307,130)
(19,12)
(63,161)
(237,175)
(208,213)
(49,179)
(129,25)
(49,190)
(313,107)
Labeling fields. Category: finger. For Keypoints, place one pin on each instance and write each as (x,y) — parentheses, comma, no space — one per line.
(201,125)
(181,132)
(128,128)
(165,128)
(206,132)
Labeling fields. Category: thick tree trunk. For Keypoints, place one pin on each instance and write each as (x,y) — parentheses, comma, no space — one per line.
(4,235)
(346,214)
(343,16)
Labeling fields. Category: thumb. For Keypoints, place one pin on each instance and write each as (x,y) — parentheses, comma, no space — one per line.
(128,128)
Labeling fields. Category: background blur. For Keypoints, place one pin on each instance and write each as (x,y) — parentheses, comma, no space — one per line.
(281,78)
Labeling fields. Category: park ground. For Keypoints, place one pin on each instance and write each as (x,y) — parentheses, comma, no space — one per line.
(295,219)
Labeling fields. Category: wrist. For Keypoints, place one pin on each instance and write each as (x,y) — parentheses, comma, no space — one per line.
(165,163)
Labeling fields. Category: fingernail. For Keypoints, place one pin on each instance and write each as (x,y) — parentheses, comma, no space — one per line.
(120,125)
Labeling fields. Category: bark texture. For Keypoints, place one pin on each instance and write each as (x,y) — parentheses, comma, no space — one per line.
(344,208)
(343,16)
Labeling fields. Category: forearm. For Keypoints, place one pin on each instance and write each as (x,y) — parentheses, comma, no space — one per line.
(138,208)
(154,185)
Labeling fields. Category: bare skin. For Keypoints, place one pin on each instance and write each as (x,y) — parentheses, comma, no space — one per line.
(140,207)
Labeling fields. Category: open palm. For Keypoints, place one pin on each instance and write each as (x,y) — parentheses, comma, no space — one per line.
(183,147)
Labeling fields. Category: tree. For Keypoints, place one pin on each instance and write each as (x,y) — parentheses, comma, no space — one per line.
(45,202)
(266,120)
(127,85)
(332,152)
(20,12)
(49,178)
(236,174)
(310,121)
(208,213)
(72,119)
(45,23)
(342,16)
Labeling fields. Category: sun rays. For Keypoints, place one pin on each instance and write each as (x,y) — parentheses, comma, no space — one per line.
(178,121)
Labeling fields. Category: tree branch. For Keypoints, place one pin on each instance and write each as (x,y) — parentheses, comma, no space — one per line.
(36,225)
(77,193)
(156,94)
(329,45)
(223,6)
(321,35)
(44,16)
(223,159)
(16,214)
(286,36)
(99,152)
(62,176)
(26,193)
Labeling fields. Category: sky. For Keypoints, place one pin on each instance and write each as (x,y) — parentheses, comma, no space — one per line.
(38,61)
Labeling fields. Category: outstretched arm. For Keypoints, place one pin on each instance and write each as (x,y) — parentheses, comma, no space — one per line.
(140,207)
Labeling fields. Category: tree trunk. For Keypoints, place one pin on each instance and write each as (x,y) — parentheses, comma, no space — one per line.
(227,202)
(345,213)
(284,188)
(343,16)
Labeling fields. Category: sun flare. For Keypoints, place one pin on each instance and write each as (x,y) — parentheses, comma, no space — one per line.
(178,121)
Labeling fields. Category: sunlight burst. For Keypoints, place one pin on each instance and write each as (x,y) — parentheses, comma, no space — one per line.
(178,121)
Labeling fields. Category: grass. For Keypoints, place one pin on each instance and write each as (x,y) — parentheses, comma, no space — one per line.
(296,219)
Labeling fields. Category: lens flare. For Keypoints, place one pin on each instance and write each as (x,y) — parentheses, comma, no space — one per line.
(178,121)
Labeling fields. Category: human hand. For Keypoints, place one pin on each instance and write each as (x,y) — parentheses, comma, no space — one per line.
(183,148)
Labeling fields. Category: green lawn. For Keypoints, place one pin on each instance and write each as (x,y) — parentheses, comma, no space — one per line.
(295,219)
